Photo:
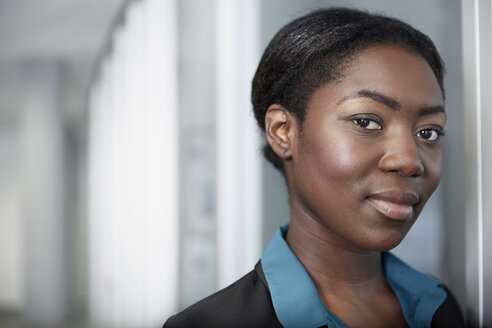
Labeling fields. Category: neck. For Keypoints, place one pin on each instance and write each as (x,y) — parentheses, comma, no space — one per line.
(336,268)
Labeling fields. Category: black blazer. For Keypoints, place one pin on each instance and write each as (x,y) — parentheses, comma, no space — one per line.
(247,303)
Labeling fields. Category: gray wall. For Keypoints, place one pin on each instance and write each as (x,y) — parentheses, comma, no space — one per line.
(197,150)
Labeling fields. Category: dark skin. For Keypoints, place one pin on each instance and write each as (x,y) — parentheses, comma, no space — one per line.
(359,171)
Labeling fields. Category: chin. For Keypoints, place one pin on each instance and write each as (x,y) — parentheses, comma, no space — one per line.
(386,245)
(383,242)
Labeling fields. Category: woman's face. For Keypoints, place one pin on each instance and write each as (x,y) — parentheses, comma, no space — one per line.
(370,151)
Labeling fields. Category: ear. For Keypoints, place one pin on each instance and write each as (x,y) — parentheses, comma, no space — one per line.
(280,129)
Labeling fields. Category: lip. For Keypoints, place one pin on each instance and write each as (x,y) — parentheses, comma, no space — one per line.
(394,204)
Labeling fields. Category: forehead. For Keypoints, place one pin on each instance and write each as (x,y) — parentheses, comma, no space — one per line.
(393,71)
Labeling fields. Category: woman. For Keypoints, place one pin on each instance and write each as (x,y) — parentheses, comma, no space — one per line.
(352,106)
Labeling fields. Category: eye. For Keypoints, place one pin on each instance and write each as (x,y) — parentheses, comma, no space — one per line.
(429,134)
(367,123)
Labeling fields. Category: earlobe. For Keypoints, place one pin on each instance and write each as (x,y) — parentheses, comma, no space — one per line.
(279,125)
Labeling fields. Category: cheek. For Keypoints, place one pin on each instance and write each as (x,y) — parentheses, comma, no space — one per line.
(336,158)
(433,165)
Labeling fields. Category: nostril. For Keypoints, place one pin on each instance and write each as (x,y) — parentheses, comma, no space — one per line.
(402,156)
(405,166)
(411,169)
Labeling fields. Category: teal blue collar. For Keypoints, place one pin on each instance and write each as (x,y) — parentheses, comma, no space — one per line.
(297,303)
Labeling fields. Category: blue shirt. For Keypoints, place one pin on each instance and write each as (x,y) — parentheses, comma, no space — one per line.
(297,303)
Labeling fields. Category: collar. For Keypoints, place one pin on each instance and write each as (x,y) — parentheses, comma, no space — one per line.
(419,294)
(297,303)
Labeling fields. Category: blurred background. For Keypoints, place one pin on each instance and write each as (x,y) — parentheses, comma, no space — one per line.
(131,176)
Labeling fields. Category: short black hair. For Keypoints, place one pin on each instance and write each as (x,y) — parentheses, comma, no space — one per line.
(314,49)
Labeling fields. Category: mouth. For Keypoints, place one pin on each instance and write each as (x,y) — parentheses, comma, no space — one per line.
(396,205)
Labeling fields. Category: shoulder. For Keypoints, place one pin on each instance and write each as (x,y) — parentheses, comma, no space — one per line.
(449,313)
(245,303)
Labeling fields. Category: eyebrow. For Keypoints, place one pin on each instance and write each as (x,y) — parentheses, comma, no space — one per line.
(376,96)
(390,102)
(431,110)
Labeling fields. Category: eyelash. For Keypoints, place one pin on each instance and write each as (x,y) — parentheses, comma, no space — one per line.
(364,123)
(436,133)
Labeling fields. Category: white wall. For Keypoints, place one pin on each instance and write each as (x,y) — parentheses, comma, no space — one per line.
(477,52)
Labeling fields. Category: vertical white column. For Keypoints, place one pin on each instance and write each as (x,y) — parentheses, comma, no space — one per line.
(41,135)
(477,55)
(133,172)
(238,151)
(485,11)
(161,159)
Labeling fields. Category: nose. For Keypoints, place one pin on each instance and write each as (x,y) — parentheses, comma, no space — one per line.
(402,156)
